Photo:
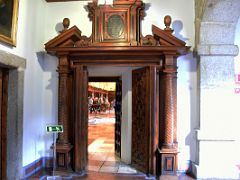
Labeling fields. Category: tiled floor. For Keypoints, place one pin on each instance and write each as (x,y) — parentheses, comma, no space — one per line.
(102,162)
(101,156)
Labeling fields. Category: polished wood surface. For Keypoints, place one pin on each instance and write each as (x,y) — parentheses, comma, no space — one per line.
(158,51)
(1,137)
(117,25)
(3,122)
(144,119)
(140,119)
(118,114)
(81,119)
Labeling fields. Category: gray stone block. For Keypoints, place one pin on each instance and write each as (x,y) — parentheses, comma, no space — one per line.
(11,60)
(216,71)
(220,50)
(222,11)
(217,33)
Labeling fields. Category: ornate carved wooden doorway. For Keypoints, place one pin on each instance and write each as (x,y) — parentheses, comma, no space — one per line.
(117,40)
(3,121)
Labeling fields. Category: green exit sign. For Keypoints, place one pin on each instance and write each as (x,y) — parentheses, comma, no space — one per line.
(55,128)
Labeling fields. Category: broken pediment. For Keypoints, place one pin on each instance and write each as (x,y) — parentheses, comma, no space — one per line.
(166,38)
(118,25)
(66,38)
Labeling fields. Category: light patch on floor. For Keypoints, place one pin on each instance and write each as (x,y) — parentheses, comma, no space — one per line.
(101,155)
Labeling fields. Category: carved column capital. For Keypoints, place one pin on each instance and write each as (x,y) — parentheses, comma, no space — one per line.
(170,64)
(63,65)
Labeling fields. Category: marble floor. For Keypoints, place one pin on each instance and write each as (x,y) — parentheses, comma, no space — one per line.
(101,155)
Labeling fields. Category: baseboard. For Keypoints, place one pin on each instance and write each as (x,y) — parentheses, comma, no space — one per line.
(187,168)
(36,166)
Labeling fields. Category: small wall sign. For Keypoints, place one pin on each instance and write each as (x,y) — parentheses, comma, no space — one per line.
(54,128)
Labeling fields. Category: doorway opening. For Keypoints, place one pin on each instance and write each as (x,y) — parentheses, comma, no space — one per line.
(104,126)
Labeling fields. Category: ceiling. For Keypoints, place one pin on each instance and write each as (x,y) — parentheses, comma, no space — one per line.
(108,86)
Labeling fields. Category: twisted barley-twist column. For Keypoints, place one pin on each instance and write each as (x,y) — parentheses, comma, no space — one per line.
(169,77)
(63,112)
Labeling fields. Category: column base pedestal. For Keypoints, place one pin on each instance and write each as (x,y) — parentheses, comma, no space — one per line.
(63,157)
(168,159)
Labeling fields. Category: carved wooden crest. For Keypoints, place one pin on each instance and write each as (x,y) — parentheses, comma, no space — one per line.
(116,25)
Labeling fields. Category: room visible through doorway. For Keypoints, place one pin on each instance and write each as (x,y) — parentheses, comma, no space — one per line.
(104,128)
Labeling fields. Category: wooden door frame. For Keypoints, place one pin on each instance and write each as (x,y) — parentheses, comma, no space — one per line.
(70,68)
(166,70)
(3,121)
(79,114)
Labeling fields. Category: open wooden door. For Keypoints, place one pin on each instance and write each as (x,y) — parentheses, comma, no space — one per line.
(118,114)
(81,119)
(3,122)
(144,121)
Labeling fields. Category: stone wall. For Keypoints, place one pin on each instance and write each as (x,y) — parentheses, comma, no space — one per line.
(16,66)
(217,102)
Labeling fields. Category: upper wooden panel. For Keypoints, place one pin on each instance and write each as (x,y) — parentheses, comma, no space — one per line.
(116,30)
(118,24)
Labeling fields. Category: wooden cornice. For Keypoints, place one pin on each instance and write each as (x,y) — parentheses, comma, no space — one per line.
(65,39)
(120,50)
(165,38)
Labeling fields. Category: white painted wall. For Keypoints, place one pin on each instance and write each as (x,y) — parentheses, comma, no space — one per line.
(75,11)
(39,22)
(182,13)
(126,129)
(30,40)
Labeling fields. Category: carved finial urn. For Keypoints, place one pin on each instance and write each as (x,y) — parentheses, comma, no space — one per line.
(167,22)
(66,23)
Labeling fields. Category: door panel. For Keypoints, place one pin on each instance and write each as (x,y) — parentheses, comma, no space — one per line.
(1,75)
(118,114)
(81,119)
(143,119)
(3,121)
